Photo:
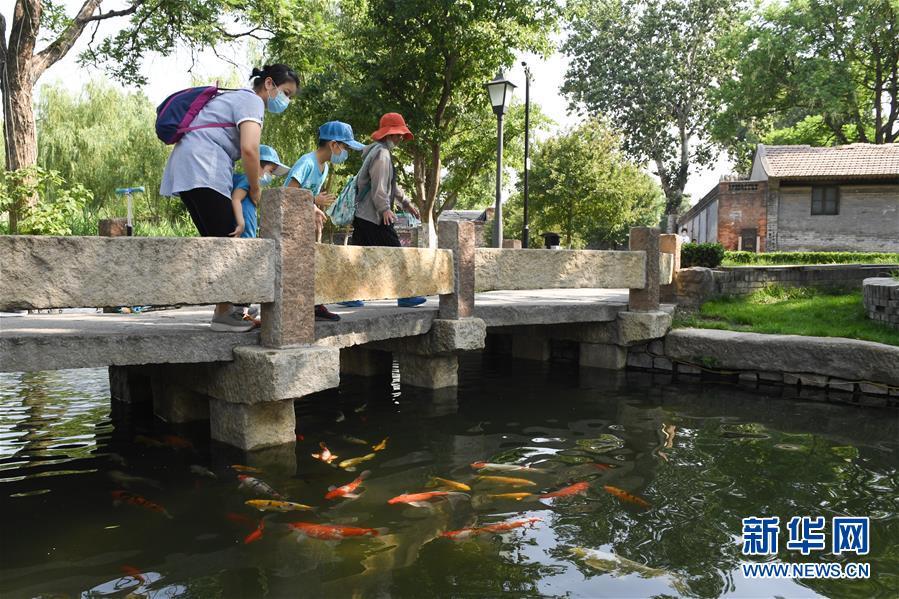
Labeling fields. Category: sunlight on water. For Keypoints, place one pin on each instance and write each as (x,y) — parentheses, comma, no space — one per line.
(530,480)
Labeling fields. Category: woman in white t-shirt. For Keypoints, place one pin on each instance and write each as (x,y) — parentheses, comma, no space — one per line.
(200,168)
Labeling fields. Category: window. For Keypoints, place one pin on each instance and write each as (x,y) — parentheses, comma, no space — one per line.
(825,199)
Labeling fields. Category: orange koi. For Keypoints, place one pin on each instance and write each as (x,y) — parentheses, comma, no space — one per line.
(134,573)
(245,469)
(381,446)
(347,490)
(567,491)
(327,532)
(422,499)
(514,496)
(325,456)
(625,496)
(436,481)
(465,533)
(119,497)
(256,534)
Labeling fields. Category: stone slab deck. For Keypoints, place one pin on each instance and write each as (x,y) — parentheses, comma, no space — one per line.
(82,339)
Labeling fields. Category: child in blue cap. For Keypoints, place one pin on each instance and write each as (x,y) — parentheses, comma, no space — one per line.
(242,203)
(335,138)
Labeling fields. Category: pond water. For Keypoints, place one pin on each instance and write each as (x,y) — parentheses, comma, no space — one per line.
(670,469)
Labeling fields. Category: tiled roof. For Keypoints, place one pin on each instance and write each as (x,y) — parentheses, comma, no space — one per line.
(854,160)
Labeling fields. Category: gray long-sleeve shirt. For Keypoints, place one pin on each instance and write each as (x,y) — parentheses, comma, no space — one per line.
(384,190)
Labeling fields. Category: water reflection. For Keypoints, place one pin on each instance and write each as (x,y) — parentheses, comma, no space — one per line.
(537,482)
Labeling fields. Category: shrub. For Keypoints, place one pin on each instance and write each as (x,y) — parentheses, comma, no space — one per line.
(709,255)
(58,203)
(774,258)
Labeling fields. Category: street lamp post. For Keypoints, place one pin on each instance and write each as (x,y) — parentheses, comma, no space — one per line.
(500,91)
(526,231)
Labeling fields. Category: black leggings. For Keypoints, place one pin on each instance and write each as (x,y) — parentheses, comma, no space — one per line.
(211,211)
(368,233)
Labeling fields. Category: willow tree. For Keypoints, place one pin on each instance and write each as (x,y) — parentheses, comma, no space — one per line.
(41,34)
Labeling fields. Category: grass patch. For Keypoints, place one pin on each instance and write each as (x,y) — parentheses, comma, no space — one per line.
(792,311)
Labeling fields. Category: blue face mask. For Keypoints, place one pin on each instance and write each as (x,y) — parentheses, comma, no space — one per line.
(265,179)
(279,103)
(339,158)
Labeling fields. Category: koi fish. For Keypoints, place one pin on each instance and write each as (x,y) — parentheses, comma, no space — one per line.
(491,467)
(347,490)
(201,471)
(148,441)
(603,467)
(256,534)
(567,491)
(238,519)
(119,497)
(328,532)
(245,469)
(134,573)
(422,499)
(381,446)
(621,566)
(436,481)
(301,438)
(353,440)
(465,533)
(340,417)
(177,442)
(514,496)
(351,463)
(625,496)
(361,408)
(325,456)
(273,505)
(254,484)
(508,480)
(128,479)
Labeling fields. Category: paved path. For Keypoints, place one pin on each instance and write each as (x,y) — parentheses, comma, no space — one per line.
(78,339)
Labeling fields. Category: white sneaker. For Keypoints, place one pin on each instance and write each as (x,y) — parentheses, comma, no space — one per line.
(232,322)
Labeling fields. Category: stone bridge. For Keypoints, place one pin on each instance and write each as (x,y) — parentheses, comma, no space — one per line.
(245,384)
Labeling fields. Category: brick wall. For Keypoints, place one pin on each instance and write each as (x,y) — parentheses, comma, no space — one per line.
(742,205)
(868,220)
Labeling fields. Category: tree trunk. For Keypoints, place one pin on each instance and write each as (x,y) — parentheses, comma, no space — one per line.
(19,136)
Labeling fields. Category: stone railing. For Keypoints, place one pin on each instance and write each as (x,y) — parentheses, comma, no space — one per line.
(288,273)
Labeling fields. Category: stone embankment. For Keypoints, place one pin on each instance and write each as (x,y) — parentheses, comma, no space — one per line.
(845,366)
(881,299)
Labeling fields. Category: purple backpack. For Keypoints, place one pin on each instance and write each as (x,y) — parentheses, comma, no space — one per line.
(178,111)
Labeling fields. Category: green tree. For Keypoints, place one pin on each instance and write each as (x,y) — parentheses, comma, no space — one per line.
(583,187)
(824,72)
(102,139)
(649,66)
(427,60)
(157,26)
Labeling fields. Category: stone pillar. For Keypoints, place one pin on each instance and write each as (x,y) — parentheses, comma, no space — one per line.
(602,355)
(526,347)
(670,244)
(130,384)
(112,227)
(459,237)
(288,219)
(252,426)
(176,404)
(361,361)
(429,372)
(646,239)
(512,244)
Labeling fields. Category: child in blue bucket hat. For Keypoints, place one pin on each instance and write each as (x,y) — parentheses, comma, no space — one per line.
(335,139)
(242,203)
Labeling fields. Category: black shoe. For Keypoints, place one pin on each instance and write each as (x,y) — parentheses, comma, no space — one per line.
(322,313)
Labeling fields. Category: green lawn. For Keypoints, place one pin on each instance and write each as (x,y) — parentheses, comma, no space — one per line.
(797,311)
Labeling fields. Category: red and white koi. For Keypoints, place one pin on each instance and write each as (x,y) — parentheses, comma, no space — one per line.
(328,532)
(325,456)
(347,491)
